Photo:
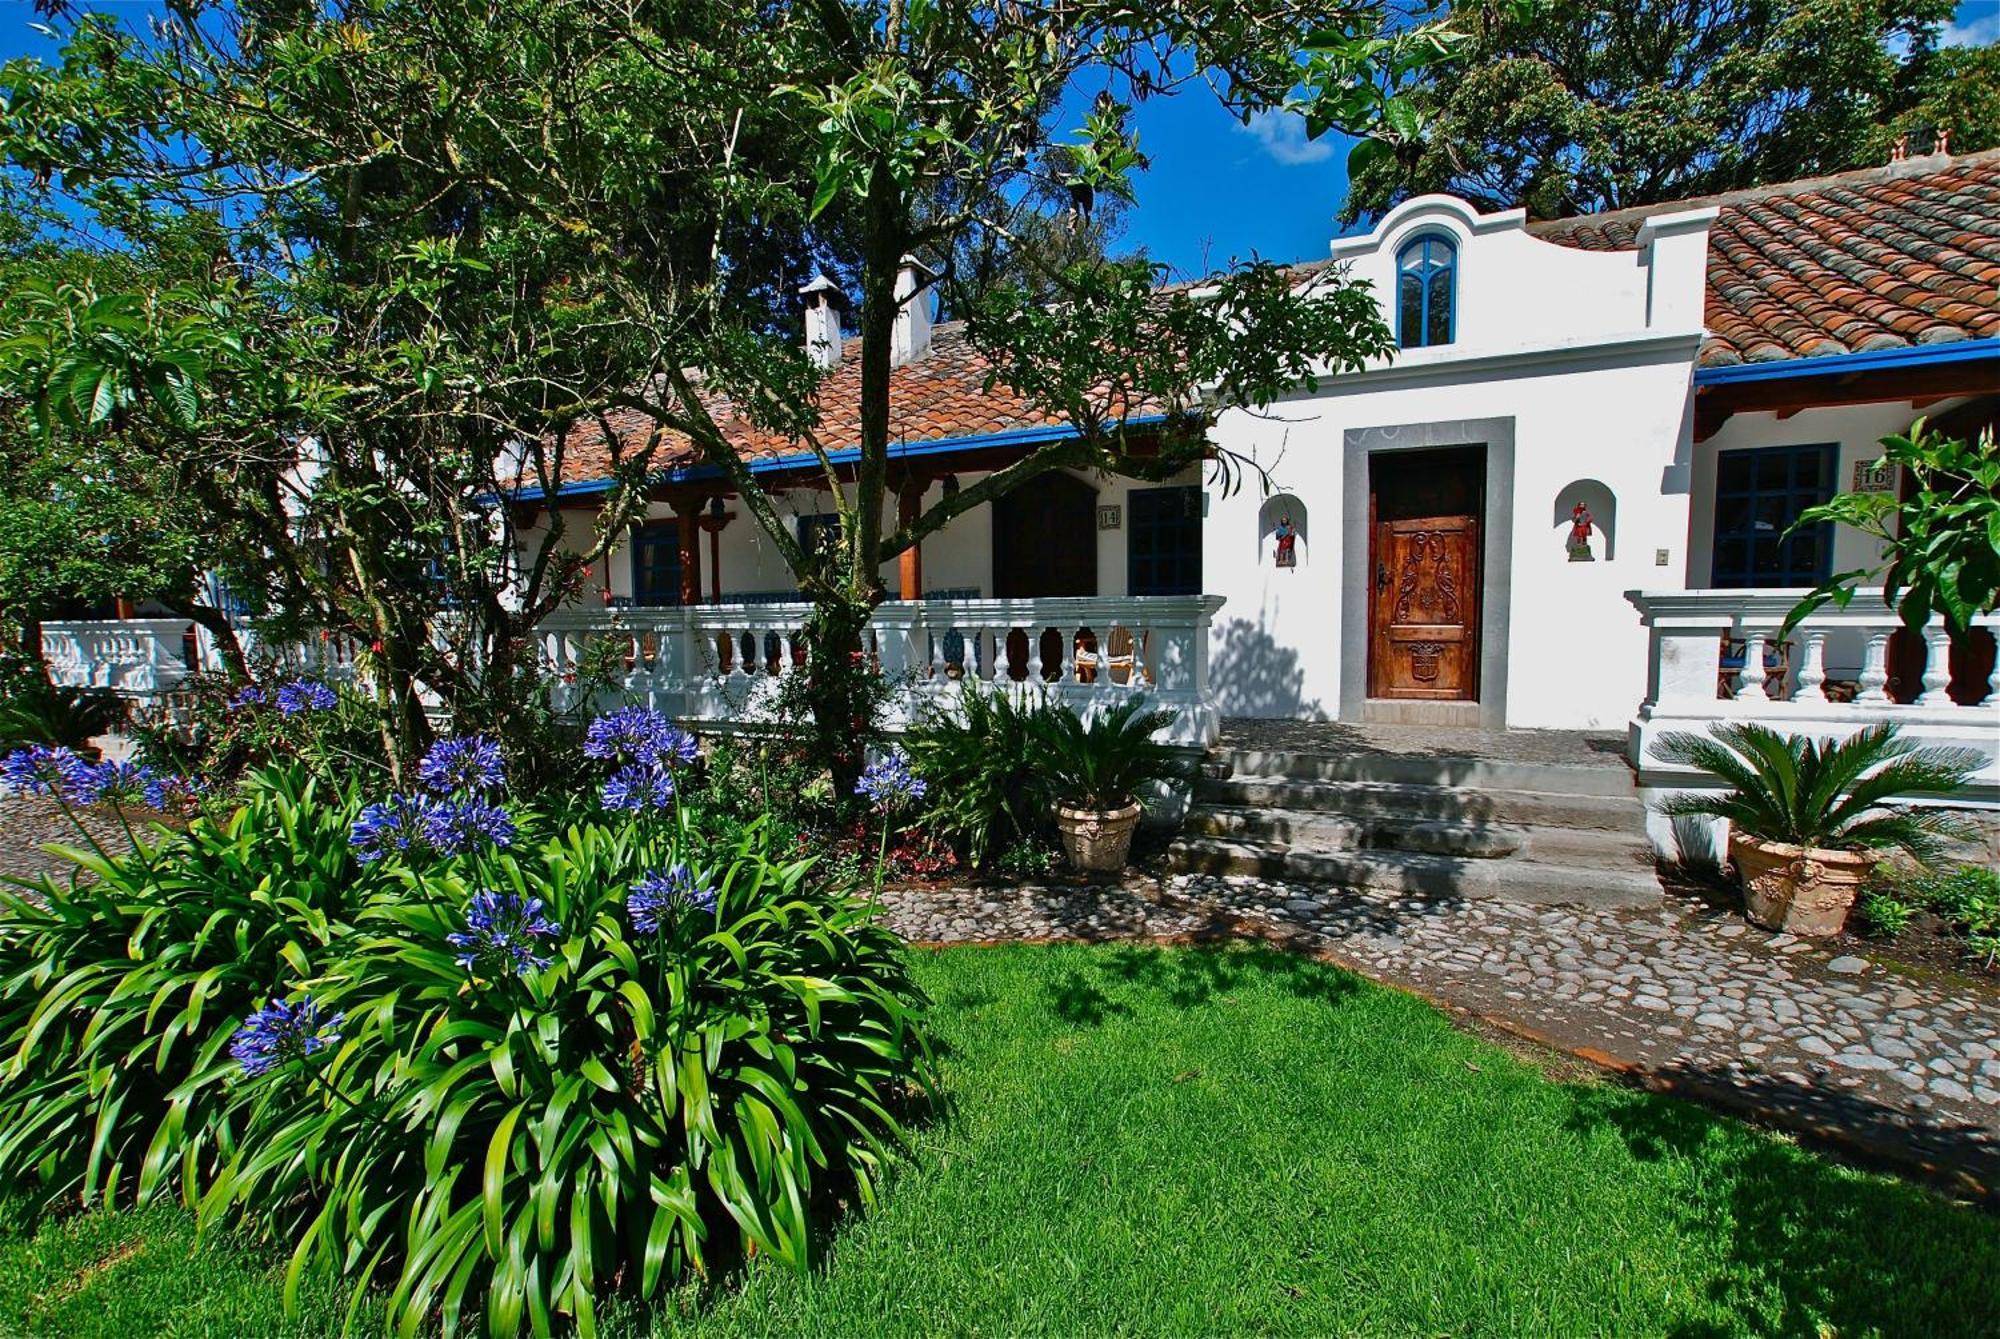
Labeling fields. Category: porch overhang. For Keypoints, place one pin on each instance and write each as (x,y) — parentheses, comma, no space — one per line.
(1917,373)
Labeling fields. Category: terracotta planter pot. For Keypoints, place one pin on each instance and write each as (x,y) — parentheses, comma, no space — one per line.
(1805,891)
(1097,840)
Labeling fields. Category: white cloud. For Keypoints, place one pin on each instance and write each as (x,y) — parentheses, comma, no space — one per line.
(1971,28)
(1283,135)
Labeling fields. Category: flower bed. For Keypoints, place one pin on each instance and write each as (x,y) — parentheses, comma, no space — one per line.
(490,1055)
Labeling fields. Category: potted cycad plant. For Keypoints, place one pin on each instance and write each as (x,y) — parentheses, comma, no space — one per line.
(1093,771)
(1809,820)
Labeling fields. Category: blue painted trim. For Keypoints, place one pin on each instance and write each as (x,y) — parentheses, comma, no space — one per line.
(1839,364)
(1447,274)
(806,460)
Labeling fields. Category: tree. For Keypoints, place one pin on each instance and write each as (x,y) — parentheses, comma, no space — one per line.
(1940,543)
(454,232)
(1573,108)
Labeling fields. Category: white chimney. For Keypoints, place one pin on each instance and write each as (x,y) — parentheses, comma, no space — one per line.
(912,338)
(1674,250)
(822,321)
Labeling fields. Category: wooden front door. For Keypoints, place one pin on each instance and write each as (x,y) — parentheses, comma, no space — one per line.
(1424,598)
(1045,539)
(1426,625)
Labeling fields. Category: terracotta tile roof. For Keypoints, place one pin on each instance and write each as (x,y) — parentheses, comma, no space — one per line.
(940,396)
(1878,259)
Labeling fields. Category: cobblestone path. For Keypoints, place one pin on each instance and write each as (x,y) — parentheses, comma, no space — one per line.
(1686,995)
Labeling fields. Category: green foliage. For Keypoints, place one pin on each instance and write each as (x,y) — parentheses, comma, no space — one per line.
(1577,107)
(1833,795)
(506,1138)
(1940,545)
(1965,897)
(207,731)
(980,754)
(1885,914)
(118,991)
(1103,762)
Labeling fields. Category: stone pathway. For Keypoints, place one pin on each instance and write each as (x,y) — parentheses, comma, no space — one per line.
(30,822)
(1688,996)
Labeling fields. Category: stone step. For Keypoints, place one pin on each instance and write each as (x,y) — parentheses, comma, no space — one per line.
(1408,803)
(1418,769)
(1342,832)
(1591,847)
(1424,873)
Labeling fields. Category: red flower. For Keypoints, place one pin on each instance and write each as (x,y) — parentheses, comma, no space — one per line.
(376,646)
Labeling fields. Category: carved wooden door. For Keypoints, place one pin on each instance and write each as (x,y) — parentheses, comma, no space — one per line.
(1424,610)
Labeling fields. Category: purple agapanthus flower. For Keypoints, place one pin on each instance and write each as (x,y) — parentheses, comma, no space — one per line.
(455,827)
(250,695)
(638,735)
(282,1031)
(660,897)
(40,770)
(501,931)
(889,784)
(303,695)
(400,823)
(166,792)
(638,786)
(471,763)
(120,783)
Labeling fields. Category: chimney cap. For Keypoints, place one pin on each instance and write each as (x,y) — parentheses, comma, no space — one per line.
(925,274)
(821,284)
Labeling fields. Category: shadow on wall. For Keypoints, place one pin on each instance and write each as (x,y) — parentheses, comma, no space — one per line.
(1250,674)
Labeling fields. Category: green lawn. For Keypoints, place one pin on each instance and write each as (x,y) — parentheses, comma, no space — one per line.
(1188,1142)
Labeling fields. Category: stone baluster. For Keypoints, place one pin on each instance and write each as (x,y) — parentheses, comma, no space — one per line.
(1875,669)
(638,678)
(1993,680)
(1937,667)
(1812,667)
(1105,673)
(1751,681)
(935,634)
(1035,668)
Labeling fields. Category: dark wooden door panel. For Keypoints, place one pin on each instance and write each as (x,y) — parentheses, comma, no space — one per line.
(1424,622)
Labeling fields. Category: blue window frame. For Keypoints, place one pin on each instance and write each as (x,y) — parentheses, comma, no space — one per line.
(1426,292)
(1163,541)
(656,564)
(1759,492)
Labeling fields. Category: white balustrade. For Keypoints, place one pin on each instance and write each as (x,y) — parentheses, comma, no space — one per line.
(724,663)
(136,657)
(1717,656)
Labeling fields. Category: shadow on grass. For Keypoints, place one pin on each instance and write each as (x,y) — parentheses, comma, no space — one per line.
(1808,1249)
(1187,978)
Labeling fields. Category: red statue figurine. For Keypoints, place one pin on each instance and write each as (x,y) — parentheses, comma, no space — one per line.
(1288,539)
(1580,531)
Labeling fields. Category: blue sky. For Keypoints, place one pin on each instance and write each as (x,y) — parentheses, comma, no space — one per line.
(1216,189)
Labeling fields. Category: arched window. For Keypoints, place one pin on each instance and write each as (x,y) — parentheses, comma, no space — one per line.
(1426,272)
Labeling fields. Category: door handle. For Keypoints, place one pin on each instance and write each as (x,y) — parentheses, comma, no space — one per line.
(1381,578)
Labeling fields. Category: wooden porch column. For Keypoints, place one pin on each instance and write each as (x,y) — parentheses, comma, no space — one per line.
(713,520)
(688,511)
(910,562)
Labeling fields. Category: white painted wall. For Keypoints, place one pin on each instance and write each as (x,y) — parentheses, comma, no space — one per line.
(1592,366)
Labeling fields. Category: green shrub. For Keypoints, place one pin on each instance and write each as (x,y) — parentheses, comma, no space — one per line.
(216,731)
(1796,790)
(980,759)
(1103,762)
(1885,914)
(499,1063)
(118,991)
